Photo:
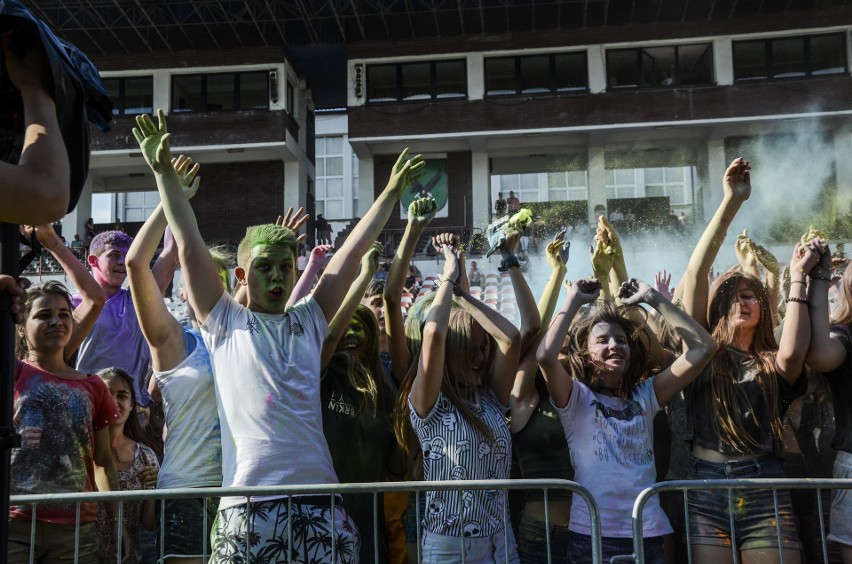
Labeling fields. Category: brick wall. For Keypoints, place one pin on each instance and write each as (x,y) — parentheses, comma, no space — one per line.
(236,195)
(460,187)
(626,106)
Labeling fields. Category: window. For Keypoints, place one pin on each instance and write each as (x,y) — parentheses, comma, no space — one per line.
(131,95)
(536,74)
(675,183)
(570,185)
(790,57)
(620,183)
(220,92)
(138,206)
(676,65)
(559,186)
(428,80)
(329,179)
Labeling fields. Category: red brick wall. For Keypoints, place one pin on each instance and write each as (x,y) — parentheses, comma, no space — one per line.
(236,195)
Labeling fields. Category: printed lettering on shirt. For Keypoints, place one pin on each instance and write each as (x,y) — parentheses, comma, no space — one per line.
(296,329)
(252,326)
(338,404)
(622,434)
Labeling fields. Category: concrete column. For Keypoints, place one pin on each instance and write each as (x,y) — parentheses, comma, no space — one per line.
(475,76)
(716,166)
(597,181)
(295,185)
(480,177)
(843,168)
(162,92)
(366,186)
(75,222)
(597,69)
(723,60)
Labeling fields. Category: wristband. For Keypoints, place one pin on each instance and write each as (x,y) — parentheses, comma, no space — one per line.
(797,300)
(446,280)
(799,282)
(509,262)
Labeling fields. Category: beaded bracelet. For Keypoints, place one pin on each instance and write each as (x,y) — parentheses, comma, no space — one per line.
(797,300)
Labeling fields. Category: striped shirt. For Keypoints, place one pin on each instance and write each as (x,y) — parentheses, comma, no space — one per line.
(454,450)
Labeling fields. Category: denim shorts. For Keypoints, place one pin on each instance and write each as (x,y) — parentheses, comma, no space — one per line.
(841,502)
(532,542)
(444,549)
(580,548)
(183,527)
(753,510)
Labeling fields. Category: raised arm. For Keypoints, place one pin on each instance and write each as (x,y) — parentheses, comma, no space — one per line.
(773,277)
(698,343)
(36,190)
(420,213)
(161,330)
(796,332)
(696,285)
(343,266)
(530,318)
(525,398)
(826,352)
(166,264)
(201,275)
(618,272)
(317,260)
(559,382)
(430,371)
(340,322)
(603,258)
(85,314)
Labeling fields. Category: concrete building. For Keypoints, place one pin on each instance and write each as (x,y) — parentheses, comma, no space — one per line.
(626,107)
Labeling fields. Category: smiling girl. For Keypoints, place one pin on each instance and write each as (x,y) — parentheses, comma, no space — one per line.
(607,401)
(62,417)
(135,462)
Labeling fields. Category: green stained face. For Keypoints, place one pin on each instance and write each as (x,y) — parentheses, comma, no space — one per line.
(271,276)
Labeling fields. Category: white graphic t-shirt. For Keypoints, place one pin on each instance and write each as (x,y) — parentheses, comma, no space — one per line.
(454,450)
(611,442)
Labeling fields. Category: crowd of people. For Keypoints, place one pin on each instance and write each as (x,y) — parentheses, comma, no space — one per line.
(289,379)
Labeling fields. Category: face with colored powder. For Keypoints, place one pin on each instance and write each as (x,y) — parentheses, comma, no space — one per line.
(270,278)
(108,268)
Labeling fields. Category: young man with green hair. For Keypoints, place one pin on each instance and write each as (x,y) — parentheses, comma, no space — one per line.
(266,363)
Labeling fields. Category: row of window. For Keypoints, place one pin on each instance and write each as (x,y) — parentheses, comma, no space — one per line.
(666,66)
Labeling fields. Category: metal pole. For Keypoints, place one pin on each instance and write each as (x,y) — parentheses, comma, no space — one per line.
(8,438)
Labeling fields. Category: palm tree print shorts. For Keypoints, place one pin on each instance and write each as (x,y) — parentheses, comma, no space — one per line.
(271,524)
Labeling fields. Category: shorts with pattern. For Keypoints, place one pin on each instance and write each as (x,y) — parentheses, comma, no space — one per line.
(753,510)
(184,527)
(271,524)
(841,502)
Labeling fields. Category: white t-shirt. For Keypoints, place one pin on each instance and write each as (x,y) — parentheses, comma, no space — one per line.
(193,450)
(267,371)
(612,449)
(117,340)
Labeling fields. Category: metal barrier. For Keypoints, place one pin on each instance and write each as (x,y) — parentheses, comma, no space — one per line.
(320,489)
(818,485)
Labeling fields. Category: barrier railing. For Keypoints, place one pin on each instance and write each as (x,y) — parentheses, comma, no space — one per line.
(320,489)
(753,484)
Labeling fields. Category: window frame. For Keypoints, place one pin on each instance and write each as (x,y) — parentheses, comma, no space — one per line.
(120,109)
(807,52)
(203,94)
(677,65)
(433,83)
(552,74)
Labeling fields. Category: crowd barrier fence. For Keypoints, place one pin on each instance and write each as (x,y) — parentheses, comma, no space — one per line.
(731,485)
(332,490)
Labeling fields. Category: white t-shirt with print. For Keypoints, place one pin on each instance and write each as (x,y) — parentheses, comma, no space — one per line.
(612,449)
(267,370)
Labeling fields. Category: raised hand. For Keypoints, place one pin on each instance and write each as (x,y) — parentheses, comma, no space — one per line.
(805,259)
(449,239)
(554,249)
(153,140)
(823,268)
(585,290)
(451,261)
(27,73)
(318,255)
(662,282)
(187,175)
(46,236)
(634,292)
(422,211)
(404,172)
(737,180)
(370,261)
(609,235)
(744,249)
(513,236)
(294,222)
(603,258)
